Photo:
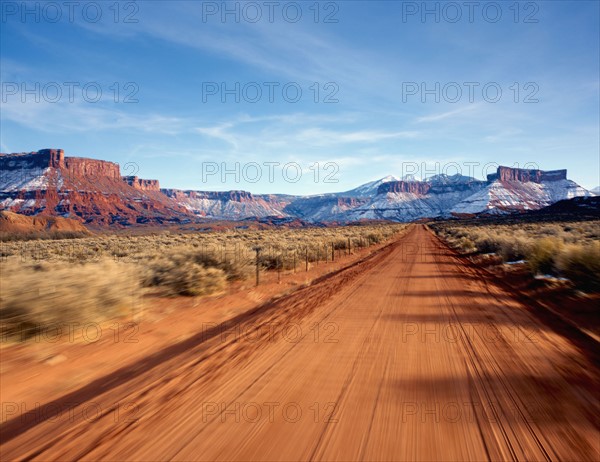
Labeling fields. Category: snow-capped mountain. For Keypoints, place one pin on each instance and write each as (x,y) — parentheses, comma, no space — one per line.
(368,189)
(406,201)
(88,190)
(230,205)
(449,179)
(93,191)
(595,191)
(510,190)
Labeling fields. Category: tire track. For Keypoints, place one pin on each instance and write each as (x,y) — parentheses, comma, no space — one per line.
(475,360)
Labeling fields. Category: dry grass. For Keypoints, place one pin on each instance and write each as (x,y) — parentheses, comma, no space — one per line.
(36,296)
(569,249)
(37,235)
(50,281)
(178,275)
(541,258)
(192,271)
(581,264)
(232,242)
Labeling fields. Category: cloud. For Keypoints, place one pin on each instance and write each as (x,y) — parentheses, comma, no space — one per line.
(449,114)
(220,132)
(81,117)
(287,133)
(321,137)
(503,135)
(300,52)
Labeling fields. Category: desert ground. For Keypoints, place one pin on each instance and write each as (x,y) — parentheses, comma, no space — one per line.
(401,351)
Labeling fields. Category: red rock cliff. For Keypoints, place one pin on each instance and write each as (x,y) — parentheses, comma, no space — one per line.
(142,184)
(91,168)
(73,167)
(524,175)
(43,158)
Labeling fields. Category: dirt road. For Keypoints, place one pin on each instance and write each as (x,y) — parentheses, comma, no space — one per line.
(410,355)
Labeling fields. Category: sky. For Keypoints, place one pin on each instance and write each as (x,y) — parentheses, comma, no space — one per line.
(304,97)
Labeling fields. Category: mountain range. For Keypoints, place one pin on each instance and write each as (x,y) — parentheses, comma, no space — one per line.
(93,191)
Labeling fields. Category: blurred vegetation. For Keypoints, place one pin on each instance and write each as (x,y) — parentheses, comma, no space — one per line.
(40,295)
(91,278)
(565,249)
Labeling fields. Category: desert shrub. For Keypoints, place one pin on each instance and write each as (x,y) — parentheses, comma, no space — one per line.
(144,248)
(271,261)
(45,235)
(358,242)
(459,233)
(5,252)
(184,277)
(550,230)
(542,255)
(342,244)
(236,265)
(513,249)
(374,238)
(571,249)
(581,264)
(285,259)
(152,256)
(46,294)
(466,245)
(486,244)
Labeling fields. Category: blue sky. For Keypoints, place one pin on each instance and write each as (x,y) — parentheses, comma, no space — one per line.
(369,60)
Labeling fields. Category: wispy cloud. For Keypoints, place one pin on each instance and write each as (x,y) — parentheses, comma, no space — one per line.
(220,132)
(321,137)
(449,114)
(503,135)
(292,131)
(171,51)
(65,117)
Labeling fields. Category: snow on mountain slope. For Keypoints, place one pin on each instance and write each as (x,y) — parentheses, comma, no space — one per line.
(389,198)
(93,191)
(404,206)
(408,205)
(327,207)
(230,205)
(368,189)
(507,196)
(88,190)
(29,179)
(449,179)
(398,200)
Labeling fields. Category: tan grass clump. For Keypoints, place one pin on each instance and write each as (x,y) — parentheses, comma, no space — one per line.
(178,275)
(581,264)
(569,249)
(34,297)
(542,255)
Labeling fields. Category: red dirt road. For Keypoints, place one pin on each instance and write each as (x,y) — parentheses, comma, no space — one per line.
(408,355)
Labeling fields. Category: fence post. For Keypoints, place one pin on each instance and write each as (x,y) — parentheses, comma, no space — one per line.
(257,250)
(306,255)
(279,265)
